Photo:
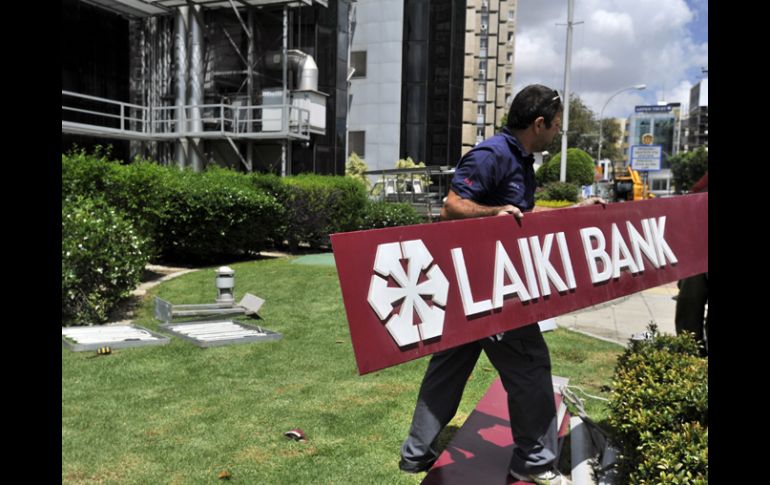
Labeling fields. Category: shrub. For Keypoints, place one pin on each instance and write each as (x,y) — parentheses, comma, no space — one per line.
(385,214)
(554,204)
(102,259)
(558,191)
(356,168)
(218,213)
(687,168)
(580,168)
(660,389)
(209,217)
(85,175)
(679,456)
(319,205)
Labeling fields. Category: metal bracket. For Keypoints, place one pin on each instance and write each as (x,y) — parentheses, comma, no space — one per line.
(166,311)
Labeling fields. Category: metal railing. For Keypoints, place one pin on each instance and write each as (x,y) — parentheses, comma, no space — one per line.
(115,115)
(206,120)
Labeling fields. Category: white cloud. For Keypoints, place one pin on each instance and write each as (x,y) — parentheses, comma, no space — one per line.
(611,24)
(591,60)
(620,43)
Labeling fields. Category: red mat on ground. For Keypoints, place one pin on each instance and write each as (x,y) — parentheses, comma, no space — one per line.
(480,450)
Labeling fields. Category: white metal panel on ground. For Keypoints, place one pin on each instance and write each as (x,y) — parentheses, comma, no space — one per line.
(117,336)
(223,332)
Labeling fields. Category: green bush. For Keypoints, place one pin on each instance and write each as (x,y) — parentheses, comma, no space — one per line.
(558,191)
(188,216)
(85,174)
(102,259)
(679,456)
(660,385)
(554,204)
(356,168)
(138,190)
(320,205)
(385,214)
(688,167)
(218,213)
(580,168)
(209,217)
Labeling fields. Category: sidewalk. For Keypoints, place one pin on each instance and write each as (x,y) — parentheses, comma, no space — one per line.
(617,320)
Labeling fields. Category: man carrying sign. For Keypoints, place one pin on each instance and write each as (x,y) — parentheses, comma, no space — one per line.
(497,177)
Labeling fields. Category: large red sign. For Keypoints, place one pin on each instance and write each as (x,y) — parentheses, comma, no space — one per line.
(415,290)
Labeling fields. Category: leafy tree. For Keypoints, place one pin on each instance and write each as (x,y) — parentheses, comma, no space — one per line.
(580,168)
(355,168)
(611,134)
(687,168)
(584,132)
(503,122)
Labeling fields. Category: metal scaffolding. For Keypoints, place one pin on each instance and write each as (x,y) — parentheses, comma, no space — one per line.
(204,84)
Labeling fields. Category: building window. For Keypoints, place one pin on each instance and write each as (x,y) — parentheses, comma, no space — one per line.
(358,62)
(660,184)
(511,12)
(509,57)
(357,143)
(510,36)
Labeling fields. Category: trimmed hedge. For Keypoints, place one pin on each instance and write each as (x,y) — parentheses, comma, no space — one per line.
(320,205)
(385,214)
(659,411)
(102,259)
(187,216)
(220,213)
(580,168)
(557,191)
(208,217)
(554,204)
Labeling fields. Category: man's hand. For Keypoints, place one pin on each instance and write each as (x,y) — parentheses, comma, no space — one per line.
(591,201)
(510,210)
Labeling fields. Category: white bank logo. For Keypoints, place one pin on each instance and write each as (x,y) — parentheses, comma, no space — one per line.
(401,325)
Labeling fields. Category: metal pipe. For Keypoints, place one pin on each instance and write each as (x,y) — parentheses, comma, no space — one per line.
(307,70)
(195,95)
(180,59)
(582,452)
(565,116)
(284,94)
(250,56)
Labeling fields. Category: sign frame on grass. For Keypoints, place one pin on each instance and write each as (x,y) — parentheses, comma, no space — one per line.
(414,290)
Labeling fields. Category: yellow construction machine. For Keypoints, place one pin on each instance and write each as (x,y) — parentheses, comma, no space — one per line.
(630,187)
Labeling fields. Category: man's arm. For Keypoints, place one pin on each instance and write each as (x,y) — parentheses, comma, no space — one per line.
(456,207)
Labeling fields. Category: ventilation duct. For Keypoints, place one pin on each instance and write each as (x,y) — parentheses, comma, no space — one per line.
(305,66)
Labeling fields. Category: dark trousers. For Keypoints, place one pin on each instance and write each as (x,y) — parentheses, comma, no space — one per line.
(691,306)
(522,360)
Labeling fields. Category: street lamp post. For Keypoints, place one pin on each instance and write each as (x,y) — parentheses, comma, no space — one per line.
(601,115)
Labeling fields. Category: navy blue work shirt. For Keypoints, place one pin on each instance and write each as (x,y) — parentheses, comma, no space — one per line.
(496,172)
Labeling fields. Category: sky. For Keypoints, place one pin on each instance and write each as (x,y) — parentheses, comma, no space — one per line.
(621,43)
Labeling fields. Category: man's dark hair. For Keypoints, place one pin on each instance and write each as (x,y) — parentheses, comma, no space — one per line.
(533,101)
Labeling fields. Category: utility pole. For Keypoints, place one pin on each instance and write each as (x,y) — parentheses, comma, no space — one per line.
(565,116)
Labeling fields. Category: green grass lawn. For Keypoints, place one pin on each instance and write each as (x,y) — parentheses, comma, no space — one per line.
(180,414)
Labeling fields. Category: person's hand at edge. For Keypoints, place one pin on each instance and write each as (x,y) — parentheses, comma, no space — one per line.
(510,210)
